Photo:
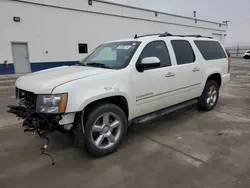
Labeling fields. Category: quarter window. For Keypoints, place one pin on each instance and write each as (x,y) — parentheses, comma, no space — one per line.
(157,49)
(183,52)
(210,50)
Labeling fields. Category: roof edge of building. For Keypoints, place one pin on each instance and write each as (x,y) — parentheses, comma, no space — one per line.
(165,13)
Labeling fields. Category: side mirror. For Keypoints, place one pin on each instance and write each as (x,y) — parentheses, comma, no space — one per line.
(147,63)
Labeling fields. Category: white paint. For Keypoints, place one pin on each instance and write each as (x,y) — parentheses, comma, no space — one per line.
(58,29)
(45,81)
(87,84)
(67,118)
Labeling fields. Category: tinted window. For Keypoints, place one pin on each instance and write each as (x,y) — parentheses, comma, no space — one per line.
(210,50)
(157,49)
(183,52)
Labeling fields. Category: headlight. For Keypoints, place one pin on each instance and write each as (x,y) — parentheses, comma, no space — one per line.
(51,104)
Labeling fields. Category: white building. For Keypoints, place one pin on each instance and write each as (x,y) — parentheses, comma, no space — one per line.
(39,34)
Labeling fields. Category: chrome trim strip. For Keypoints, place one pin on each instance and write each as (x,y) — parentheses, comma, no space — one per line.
(168,92)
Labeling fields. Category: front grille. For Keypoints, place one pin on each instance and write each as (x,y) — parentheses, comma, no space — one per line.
(27,96)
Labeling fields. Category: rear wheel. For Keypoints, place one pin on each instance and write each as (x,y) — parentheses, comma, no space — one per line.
(209,97)
(105,128)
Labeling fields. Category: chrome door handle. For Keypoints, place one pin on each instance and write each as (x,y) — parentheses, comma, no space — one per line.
(196,69)
(170,74)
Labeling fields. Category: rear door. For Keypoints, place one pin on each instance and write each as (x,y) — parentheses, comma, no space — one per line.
(188,71)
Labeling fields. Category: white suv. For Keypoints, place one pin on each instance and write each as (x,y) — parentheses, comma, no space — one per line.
(121,82)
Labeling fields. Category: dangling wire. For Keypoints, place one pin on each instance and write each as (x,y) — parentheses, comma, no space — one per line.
(44,149)
(43,134)
(43,153)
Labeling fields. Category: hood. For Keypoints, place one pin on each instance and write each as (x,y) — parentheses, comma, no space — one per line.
(43,82)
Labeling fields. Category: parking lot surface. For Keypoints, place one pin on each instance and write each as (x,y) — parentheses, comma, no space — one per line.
(184,149)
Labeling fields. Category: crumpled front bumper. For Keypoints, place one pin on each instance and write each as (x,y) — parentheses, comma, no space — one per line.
(42,124)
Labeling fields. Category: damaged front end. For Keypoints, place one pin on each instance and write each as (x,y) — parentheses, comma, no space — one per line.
(42,124)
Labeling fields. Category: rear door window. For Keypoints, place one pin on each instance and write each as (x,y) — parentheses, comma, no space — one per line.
(183,52)
(210,50)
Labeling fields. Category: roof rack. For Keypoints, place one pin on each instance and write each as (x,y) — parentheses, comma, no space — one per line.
(198,36)
(153,34)
(166,34)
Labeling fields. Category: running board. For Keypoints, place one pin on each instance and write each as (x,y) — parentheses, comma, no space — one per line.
(153,115)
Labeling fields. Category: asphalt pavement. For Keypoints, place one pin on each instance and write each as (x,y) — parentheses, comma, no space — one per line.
(185,149)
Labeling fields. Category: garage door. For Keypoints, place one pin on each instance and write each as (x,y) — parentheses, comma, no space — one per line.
(217,36)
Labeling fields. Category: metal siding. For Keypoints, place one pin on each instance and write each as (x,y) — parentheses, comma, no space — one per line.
(59,30)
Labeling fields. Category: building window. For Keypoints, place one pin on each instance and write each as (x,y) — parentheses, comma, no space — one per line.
(83,48)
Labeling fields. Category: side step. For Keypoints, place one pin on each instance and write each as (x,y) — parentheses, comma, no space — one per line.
(153,115)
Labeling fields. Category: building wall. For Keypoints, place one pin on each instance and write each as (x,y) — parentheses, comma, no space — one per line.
(53,28)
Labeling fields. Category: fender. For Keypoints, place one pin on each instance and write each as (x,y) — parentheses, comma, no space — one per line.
(106,95)
(209,72)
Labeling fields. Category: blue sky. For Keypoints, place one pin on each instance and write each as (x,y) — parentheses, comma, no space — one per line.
(238,12)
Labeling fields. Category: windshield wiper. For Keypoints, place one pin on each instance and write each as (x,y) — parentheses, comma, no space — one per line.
(98,65)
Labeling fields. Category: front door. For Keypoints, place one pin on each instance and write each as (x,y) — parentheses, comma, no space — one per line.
(20,58)
(151,86)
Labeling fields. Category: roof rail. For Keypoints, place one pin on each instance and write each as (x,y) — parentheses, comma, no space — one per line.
(198,36)
(166,34)
(153,34)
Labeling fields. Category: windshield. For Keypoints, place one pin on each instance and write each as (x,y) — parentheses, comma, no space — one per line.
(115,55)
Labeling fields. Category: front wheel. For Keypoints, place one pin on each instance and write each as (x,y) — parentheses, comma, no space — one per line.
(209,97)
(105,128)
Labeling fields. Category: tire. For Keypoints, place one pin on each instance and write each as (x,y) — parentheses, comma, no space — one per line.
(110,128)
(209,97)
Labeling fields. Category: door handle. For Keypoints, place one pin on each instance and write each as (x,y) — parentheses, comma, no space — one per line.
(196,69)
(170,74)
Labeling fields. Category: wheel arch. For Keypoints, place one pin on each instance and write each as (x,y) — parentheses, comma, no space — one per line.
(118,99)
(215,77)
